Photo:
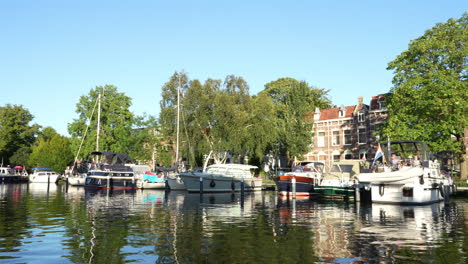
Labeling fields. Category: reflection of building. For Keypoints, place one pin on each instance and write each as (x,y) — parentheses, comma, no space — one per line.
(347,132)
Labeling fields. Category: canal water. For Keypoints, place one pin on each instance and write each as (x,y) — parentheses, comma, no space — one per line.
(55,224)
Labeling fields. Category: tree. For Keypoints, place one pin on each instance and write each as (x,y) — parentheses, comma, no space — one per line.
(293,100)
(429,98)
(51,150)
(15,130)
(116,133)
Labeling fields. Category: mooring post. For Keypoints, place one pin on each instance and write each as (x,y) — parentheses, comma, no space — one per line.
(242,189)
(446,194)
(357,193)
(108,182)
(201,184)
(293,182)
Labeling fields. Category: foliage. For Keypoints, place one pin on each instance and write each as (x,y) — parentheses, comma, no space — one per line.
(223,118)
(21,157)
(51,151)
(429,100)
(293,101)
(15,131)
(120,130)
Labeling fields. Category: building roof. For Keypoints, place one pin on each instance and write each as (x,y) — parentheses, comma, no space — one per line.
(333,113)
(374,104)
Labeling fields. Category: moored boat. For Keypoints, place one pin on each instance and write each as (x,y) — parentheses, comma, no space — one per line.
(43,175)
(407,180)
(340,181)
(12,175)
(110,171)
(147,179)
(222,178)
(306,174)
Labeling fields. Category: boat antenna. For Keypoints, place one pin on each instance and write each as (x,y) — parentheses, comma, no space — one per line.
(178,118)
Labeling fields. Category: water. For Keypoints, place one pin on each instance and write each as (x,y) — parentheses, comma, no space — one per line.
(41,224)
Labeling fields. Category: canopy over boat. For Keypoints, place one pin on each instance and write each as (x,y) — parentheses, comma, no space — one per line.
(113,157)
(42,169)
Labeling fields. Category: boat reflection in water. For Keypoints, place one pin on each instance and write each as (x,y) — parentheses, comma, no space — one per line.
(346,232)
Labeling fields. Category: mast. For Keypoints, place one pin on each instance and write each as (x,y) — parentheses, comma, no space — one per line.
(178,118)
(98,122)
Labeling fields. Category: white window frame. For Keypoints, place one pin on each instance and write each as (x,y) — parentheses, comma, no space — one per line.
(321,144)
(334,143)
(361,116)
(359,135)
(350,136)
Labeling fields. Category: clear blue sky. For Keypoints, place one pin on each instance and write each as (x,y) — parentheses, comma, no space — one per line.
(53,52)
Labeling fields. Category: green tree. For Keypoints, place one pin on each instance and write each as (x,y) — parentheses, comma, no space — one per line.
(117,123)
(429,98)
(293,100)
(21,157)
(15,130)
(52,150)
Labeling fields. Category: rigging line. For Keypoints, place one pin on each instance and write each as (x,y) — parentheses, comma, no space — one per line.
(84,134)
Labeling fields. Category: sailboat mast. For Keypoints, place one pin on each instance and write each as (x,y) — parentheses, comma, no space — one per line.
(178,118)
(98,122)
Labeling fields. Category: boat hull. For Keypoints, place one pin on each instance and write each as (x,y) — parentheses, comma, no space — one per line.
(76,181)
(11,178)
(219,183)
(43,179)
(412,194)
(284,184)
(151,185)
(103,182)
(338,192)
(176,183)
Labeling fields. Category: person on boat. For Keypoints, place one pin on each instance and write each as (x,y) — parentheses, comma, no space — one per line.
(395,161)
(416,161)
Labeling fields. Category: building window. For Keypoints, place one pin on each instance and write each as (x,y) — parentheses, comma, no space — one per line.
(347,137)
(336,138)
(321,139)
(362,135)
(361,116)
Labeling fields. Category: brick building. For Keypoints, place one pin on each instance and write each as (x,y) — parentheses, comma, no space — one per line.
(347,132)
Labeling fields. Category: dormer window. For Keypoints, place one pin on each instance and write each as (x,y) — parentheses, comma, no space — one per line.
(361,116)
(381,103)
(341,112)
(317,114)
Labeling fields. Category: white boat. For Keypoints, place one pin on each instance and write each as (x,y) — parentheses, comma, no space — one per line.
(76,179)
(147,179)
(407,183)
(44,175)
(222,178)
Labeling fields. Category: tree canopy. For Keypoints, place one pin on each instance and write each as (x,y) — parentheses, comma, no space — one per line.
(120,130)
(293,100)
(222,117)
(16,132)
(51,150)
(429,97)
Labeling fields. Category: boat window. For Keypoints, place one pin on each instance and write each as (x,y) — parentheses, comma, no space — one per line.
(344,168)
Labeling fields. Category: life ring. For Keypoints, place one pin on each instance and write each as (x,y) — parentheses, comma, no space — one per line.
(381,189)
(212,183)
(441,190)
(421,179)
(233,186)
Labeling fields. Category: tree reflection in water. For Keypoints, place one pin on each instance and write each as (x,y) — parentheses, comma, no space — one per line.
(152,226)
